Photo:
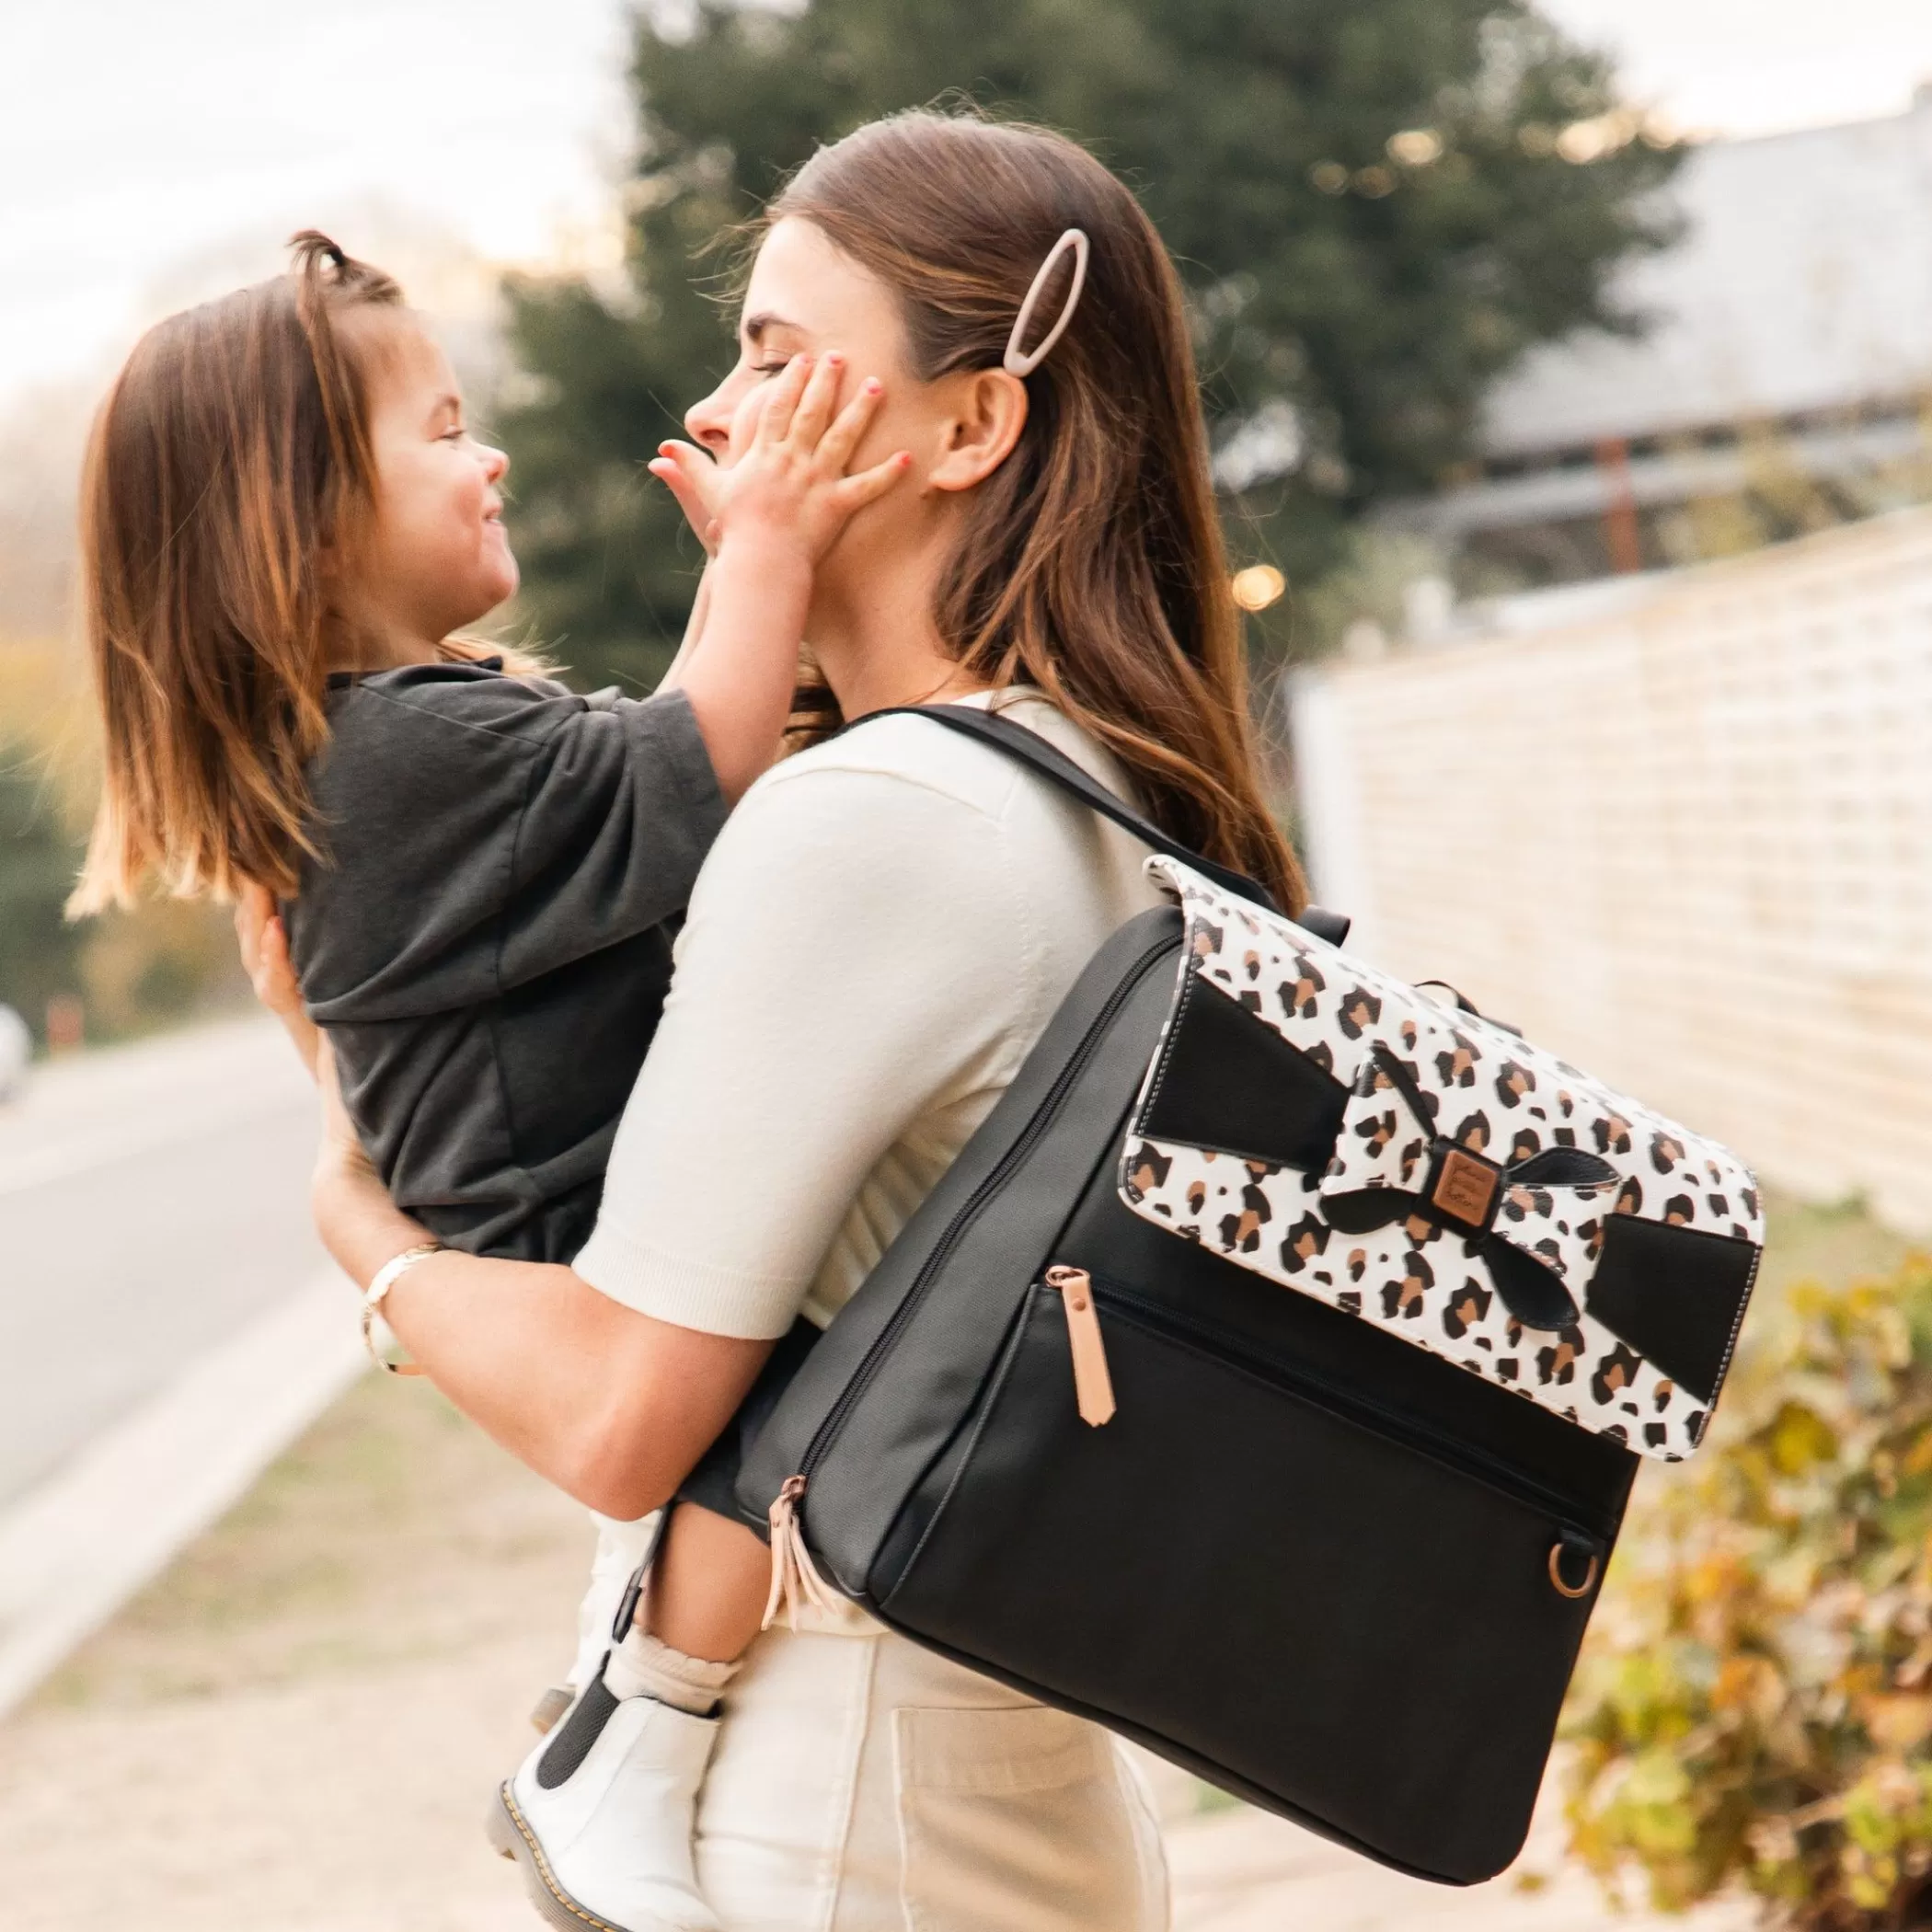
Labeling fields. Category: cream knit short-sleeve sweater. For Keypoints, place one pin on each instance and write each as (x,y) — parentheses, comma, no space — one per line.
(879,934)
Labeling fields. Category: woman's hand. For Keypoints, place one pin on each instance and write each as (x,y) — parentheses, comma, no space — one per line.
(264,943)
(611,1405)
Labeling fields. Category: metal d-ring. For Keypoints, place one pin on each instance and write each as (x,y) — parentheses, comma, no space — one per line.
(1556,1574)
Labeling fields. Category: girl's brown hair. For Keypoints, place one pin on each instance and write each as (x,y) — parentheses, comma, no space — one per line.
(1093,565)
(232,446)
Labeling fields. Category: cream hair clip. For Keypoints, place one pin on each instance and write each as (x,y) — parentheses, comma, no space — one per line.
(1014,362)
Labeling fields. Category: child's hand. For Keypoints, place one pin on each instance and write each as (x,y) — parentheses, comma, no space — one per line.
(789,490)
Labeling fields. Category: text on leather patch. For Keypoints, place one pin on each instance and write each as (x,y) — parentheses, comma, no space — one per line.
(1465,1187)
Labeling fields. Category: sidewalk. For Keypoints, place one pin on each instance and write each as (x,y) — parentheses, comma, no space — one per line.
(296,1730)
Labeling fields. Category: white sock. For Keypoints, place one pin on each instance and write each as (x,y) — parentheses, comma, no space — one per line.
(644,1666)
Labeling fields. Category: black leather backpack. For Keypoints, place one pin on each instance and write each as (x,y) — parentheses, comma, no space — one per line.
(1266,1378)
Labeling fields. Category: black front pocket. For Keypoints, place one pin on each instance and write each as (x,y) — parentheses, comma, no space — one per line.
(1362,1633)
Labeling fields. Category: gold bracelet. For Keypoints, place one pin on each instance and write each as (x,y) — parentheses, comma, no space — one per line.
(387,1277)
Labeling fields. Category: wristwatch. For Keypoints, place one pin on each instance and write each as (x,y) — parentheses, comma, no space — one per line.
(386,1352)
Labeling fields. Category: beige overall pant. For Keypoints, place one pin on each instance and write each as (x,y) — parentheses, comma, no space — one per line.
(864,1784)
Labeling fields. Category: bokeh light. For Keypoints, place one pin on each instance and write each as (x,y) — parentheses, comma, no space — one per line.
(1258,586)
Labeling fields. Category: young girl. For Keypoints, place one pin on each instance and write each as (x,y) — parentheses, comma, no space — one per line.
(287,527)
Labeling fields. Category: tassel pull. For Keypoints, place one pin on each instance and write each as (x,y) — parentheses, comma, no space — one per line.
(1093,1384)
(795,1577)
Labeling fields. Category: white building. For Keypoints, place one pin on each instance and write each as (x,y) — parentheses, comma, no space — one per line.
(1790,363)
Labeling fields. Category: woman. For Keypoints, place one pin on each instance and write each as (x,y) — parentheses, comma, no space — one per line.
(879,935)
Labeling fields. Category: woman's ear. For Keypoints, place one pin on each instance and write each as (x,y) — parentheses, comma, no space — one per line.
(988,415)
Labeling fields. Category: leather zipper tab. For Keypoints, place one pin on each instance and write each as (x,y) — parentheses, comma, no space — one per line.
(795,1576)
(1093,1385)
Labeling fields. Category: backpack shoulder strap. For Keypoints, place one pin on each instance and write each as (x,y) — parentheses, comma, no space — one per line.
(1049,761)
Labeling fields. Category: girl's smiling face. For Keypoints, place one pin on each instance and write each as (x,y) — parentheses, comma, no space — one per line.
(434,557)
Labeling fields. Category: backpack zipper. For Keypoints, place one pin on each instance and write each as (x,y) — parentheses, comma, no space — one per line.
(794,1578)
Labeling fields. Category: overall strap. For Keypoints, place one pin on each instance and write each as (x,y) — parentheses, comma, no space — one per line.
(1048,762)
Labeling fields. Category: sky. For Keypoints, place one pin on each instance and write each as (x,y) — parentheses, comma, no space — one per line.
(1742,67)
(153,151)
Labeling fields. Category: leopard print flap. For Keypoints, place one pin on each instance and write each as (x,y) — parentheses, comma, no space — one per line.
(1479,1084)
(1452,1135)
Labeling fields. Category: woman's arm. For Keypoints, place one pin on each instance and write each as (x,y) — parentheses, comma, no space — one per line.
(853,959)
(612,1407)
(857,958)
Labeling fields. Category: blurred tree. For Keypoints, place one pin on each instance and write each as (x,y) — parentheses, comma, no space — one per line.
(1377,207)
(39,954)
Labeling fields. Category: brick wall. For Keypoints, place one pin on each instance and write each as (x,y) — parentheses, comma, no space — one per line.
(1688,845)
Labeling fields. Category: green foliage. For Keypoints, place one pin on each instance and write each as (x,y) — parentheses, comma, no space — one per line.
(40,955)
(1367,203)
(1757,1706)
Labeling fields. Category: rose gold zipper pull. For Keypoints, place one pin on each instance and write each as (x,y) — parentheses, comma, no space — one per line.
(1093,1387)
(795,1576)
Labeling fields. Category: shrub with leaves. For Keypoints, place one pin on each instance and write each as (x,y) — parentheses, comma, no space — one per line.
(1755,1708)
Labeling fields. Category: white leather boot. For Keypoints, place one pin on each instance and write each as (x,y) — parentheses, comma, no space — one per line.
(601,1815)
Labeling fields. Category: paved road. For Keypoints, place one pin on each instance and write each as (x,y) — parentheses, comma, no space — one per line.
(153,1198)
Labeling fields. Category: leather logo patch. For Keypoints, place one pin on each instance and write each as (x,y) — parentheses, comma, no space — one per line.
(1465,1187)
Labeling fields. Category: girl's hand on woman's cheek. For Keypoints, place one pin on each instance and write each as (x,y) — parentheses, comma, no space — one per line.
(789,492)
(264,943)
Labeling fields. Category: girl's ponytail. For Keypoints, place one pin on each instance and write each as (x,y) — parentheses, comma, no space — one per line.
(326,281)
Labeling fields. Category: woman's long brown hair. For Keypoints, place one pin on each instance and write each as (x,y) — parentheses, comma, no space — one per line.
(231,448)
(1092,565)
